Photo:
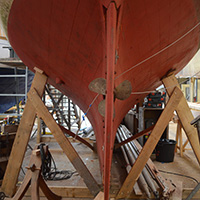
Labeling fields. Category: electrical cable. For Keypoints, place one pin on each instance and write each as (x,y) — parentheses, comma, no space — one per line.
(177,174)
(144,92)
(86,114)
(50,172)
(2,196)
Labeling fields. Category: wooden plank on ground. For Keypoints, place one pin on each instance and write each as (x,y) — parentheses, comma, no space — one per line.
(50,138)
(64,143)
(47,192)
(100,196)
(80,192)
(150,145)
(21,139)
(185,115)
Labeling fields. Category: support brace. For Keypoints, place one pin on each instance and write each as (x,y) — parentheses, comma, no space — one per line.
(22,138)
(35,105)
(184,115)
(134,137)
(176,102)
(150,145)
(33,177)
(62,140)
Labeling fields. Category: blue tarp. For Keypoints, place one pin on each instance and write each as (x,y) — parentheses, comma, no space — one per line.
(8,86)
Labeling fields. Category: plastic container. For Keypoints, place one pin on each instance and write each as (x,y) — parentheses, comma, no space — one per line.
(165,150)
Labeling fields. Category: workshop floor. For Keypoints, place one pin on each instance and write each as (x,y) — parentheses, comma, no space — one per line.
(186,165)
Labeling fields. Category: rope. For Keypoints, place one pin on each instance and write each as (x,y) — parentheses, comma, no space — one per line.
(159,51)
(51,173)
(86,114)
(144,92)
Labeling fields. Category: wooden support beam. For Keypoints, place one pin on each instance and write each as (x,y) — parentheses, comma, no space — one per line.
(76,137)
(179,132)
(100,196)
(81,192)
(198,90)
(35,185)
(184,115)
(185,144)
(21,139)
(136,136)
(179,139)
(46,190)
(192,89)
(38,139)
(33,177)
(151,143)
(50,138)
(64,143)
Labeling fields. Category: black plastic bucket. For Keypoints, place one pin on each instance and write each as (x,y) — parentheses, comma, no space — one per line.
(165,150)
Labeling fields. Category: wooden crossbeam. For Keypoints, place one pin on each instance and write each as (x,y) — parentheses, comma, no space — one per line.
(33,177)
(63,141)
(179,139)
(76,136)
(134,137)
(151,143)
(185,115)
(100,196)
(22,138)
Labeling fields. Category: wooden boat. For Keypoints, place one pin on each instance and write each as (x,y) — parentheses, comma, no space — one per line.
(85,46)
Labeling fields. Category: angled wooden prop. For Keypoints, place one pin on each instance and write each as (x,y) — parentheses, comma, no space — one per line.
(33,177)
(76,136)
(184,114)
(100,196)
(63,141)
(137,135)
(23,134)
(151,143)
(22,138)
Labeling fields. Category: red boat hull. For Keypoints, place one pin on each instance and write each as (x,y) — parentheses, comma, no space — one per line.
(68,40)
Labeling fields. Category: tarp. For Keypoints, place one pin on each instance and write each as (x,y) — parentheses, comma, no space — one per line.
(8,86)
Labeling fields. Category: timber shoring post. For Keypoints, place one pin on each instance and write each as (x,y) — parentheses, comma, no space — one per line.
(22,138)
(184,114)
(63,141)
(151,143)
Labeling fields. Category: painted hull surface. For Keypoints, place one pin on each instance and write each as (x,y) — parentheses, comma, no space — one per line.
(69,40)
